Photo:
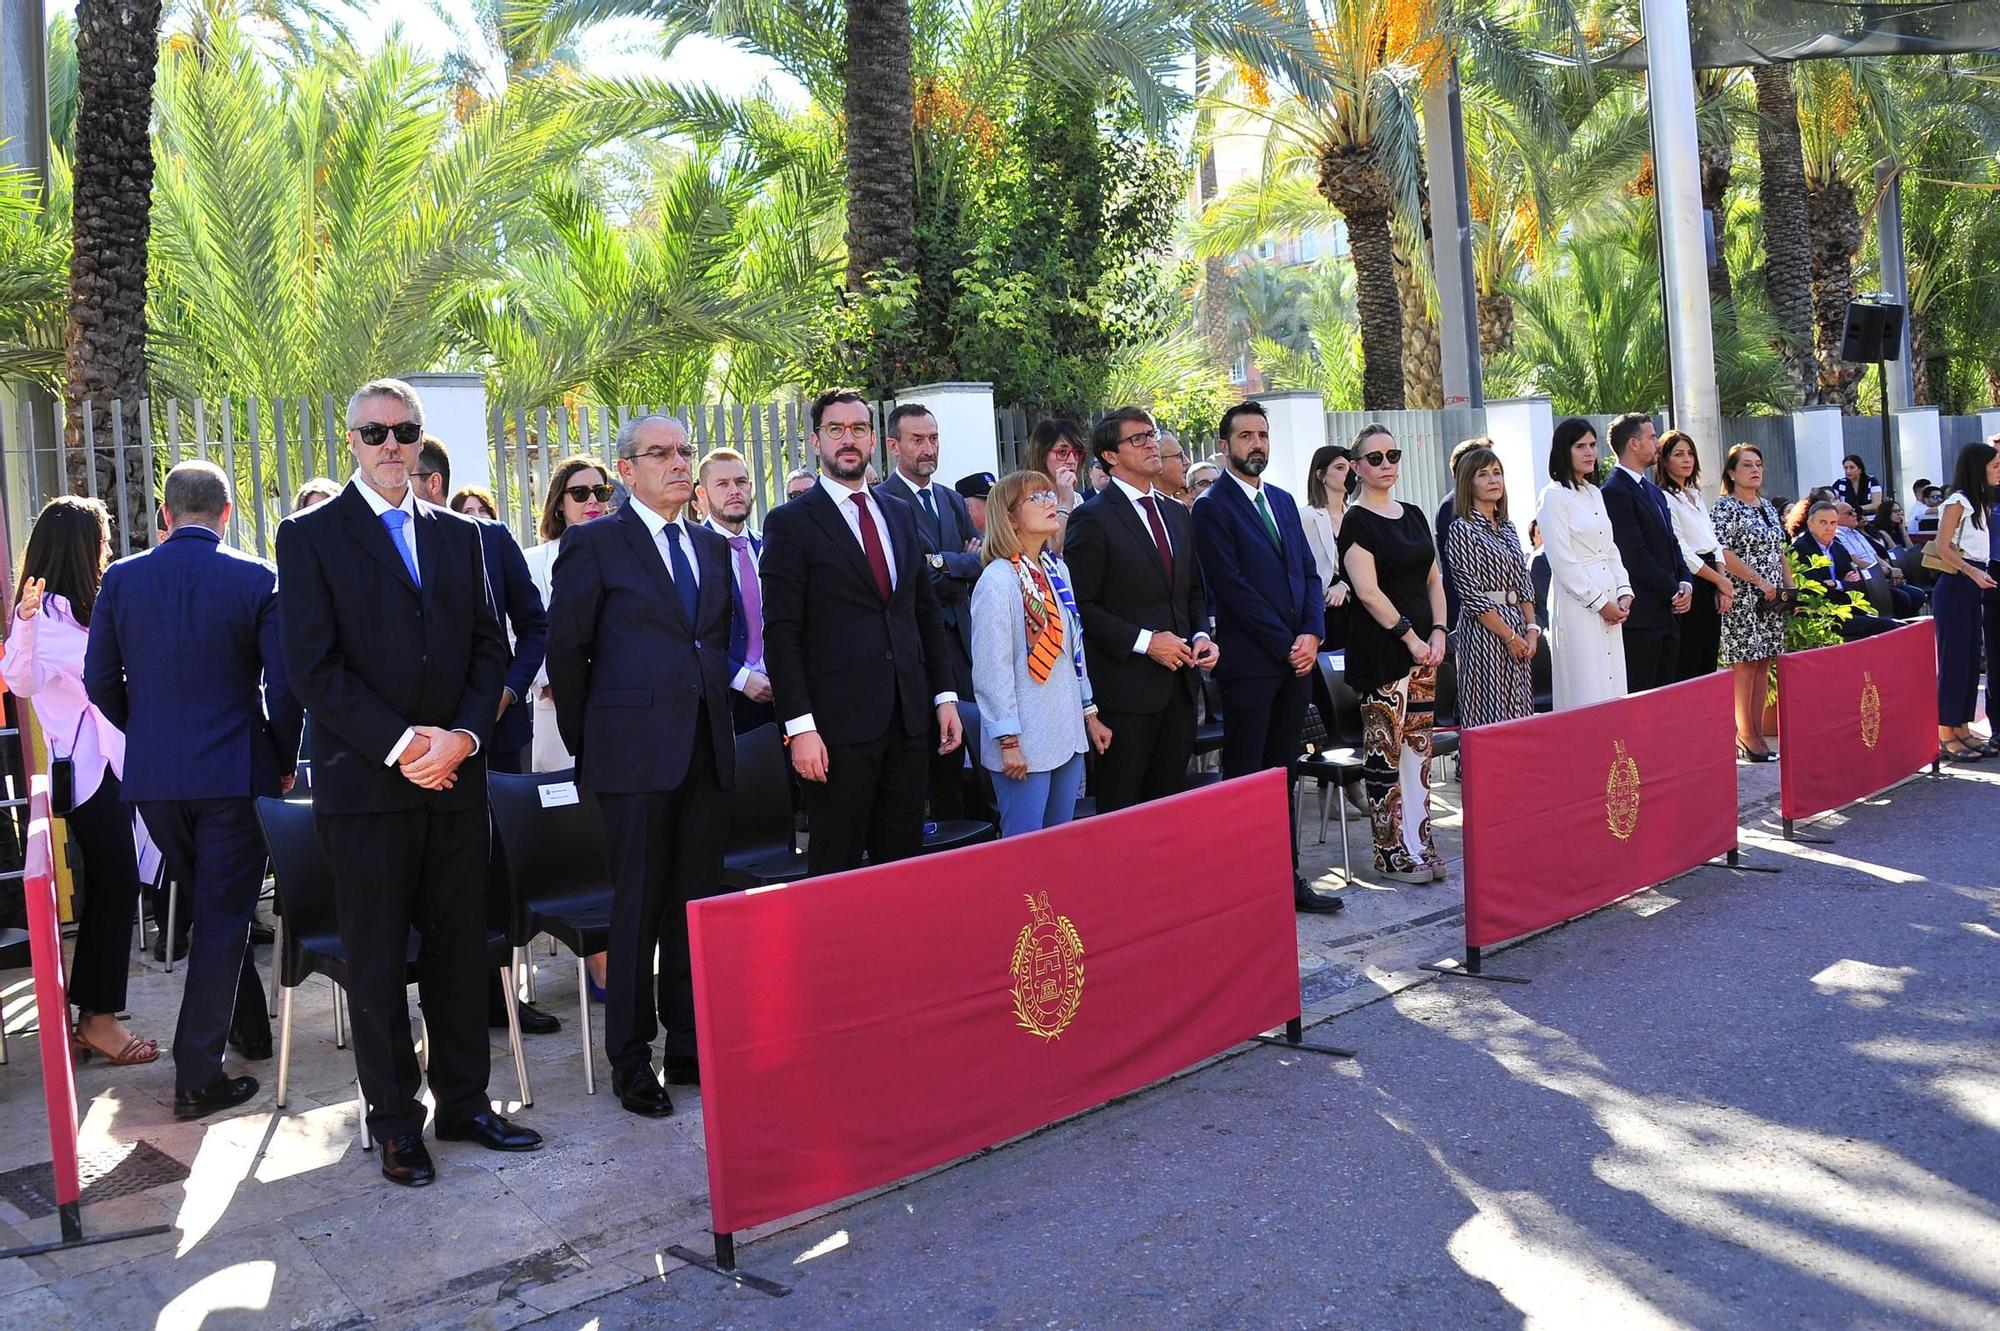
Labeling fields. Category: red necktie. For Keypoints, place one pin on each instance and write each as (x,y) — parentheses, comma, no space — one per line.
(871,541)
(1159,538)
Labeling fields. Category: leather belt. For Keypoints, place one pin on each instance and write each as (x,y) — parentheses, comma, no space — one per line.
(1504,598)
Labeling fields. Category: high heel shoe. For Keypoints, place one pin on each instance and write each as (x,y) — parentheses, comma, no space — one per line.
(1749,755)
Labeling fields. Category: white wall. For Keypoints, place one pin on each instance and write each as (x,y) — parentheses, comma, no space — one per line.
(455,411)
(1818,444)
(1298,429)
(967,439)
(1919,447)
(1521,428)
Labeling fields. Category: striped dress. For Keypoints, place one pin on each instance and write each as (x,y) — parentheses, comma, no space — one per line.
(1487,564)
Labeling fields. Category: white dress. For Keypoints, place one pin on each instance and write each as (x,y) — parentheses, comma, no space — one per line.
(1585,572)
(545,752)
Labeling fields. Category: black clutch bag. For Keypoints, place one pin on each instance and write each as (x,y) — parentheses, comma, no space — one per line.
(62,775)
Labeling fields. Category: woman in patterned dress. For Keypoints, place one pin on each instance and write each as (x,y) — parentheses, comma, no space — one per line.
(1753,629)
(1497,632)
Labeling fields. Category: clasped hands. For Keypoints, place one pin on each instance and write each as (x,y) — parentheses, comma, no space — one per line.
(1173,651)
(431,759)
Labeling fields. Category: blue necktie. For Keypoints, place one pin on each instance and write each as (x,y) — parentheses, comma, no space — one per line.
(1659,498)
(683,575)
(930,512)
(396,520)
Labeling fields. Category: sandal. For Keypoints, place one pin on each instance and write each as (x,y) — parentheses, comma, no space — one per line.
(1962,754)
(136,1051)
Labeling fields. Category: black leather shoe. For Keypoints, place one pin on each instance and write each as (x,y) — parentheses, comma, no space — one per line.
(253,1047)
(534,1021)
(491,1131)
(683,1071)
(261,935)
(1315,903)
(405,1161)
(640,1092)
(222,1093)
(160,948)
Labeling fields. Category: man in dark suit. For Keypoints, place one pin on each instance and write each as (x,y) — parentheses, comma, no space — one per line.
(1269,611)
(1131,557)
(1643,526)
(727,494)
(951,558)
(1820,539)
(639,664)
(392,644)
(856,650)
(514,595)
(181,639)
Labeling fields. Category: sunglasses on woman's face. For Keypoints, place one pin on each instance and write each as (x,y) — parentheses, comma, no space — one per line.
(1378,457)
(583,494)
(372,434)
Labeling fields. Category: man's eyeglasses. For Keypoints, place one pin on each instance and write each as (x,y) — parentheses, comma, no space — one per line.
(1380,456)
(836,431)
(1143,437)
(373,434)
(685,452)
(583,494)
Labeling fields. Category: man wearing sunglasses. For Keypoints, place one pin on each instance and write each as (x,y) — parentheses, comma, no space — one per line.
(639,664)
(1270,612)
(518,602)
(393,646)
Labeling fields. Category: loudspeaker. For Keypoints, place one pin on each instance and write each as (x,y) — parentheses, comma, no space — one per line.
(1872,332)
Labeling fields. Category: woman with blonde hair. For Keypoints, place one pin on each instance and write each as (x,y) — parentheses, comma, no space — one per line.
(579,491)
(1036,712)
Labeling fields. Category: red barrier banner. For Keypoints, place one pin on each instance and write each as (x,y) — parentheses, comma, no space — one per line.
(865,1026)
(1855,719)
(1570,811)
(51,999)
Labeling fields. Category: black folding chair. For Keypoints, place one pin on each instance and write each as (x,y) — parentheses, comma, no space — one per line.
(311,943)
(1338,766)
(1542,675)
(953,833)
(759,851)
(1208,728)
(558,877)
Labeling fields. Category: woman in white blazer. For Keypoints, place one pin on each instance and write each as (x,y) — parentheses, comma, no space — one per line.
(1590,593)
(579,491)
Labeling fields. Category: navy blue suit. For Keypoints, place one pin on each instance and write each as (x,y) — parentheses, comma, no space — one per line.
(182,638)
(643,700)
(952,576)
(1644,529)
(516,600)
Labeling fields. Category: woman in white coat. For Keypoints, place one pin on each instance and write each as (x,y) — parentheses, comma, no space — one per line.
(579,491)
(1590,593)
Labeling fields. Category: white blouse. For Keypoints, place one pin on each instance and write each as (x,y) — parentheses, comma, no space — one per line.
(1972,542)
(1693,529)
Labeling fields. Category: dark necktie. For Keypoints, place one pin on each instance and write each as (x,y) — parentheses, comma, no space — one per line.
(871,543)
(1659,498)
(929,502)
(1159,536)
(684,582)
(1270,523)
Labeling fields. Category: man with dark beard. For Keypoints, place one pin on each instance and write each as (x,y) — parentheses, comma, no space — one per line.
(1269,613)
(856,650)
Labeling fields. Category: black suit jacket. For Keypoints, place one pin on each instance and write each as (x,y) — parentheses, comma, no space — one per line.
(833,647)
(370,655)
(954,579)
(1839,590)
(1120,589)
(514,596)
(630,675)
(1646,543)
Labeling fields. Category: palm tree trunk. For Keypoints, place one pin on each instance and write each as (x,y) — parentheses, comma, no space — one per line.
(117,49)
(1716,168)
(881,158)
(1423,359)
(1781,190)
(1379,306)
(1835,219)
(1920,365)
(1496,324)
(1213,312)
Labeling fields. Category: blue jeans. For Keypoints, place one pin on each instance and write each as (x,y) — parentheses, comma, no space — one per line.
(1039,799)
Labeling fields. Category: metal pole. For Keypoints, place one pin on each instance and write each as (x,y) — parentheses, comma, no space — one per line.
(1451,243)
(24,88)
(1899,380)
(1684,269)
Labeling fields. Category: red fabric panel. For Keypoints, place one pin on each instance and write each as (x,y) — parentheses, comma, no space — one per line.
(861,1027)
(1567,812)
(51,997)
(1856,718)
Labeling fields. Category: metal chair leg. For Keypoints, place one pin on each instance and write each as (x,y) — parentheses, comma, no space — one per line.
(1346,863)
(284,1046)
(424,1059)
(514,1036)
(1323,789)
(339,1019)
(527,958)
(3,1035)
(583,1024)
(361,1115)
(277,953)
(173,905)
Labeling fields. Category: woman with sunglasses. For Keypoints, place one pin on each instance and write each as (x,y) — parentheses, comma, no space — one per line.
(1035,704)
(60,573)
(1590,593)
(1394,646)
(579,491)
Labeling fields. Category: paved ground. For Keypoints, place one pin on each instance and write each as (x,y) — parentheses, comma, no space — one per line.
(1421,1181)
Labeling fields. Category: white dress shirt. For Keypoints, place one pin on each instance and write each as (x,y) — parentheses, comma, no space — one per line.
(656,526)
(1694,530)
(409,506)
(741,680)
(850,513)
(1135,494)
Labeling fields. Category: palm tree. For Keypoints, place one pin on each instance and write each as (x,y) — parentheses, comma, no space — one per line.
(34,263)
(881,155)
(117,44)
(1781,193)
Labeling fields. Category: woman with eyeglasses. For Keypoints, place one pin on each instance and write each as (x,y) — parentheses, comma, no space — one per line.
(1037,715)
(60,573)
(1497,632)
(1394,646)
(1055,449)
(579,491)
(1590,593)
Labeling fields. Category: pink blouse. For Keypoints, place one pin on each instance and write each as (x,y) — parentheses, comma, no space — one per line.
(44,663)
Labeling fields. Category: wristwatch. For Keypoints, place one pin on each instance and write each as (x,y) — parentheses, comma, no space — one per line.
(937,561)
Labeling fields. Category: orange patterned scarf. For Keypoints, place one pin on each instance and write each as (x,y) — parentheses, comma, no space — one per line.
(1043,615)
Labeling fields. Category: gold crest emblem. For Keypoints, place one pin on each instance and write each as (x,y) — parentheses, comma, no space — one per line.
(1048,971)
(1621,793)
(1871,710)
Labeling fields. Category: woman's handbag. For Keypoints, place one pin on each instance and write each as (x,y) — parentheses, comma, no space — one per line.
(62,774)
(1313,736)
